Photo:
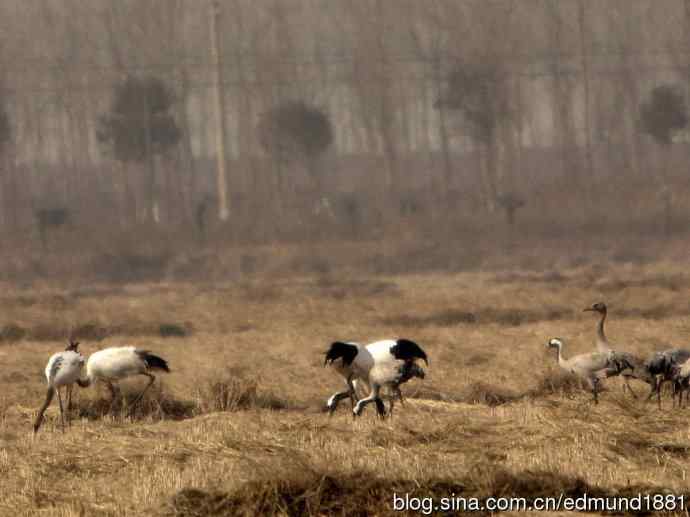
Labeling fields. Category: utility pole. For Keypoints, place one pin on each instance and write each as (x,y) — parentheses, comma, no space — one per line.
(585,70)
(151,163)
(686,5)
(216,54)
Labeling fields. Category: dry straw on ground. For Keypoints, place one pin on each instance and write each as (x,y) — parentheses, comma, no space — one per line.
(238,427)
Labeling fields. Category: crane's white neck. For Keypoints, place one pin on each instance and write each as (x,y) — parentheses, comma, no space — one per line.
(558,345)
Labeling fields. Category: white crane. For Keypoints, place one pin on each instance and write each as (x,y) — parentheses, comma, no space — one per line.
(386,363)
(116,363)
(63,369)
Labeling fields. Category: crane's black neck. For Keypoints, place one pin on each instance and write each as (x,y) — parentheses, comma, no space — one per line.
(600,328)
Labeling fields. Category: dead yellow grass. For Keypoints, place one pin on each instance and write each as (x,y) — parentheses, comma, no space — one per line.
(238,427)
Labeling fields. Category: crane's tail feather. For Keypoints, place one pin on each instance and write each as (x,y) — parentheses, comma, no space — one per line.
(338,350)
(407,350)
(154,362)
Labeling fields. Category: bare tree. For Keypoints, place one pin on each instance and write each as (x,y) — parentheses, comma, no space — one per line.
(372,80)
(562,80)
(479,91)
(6,175)
(297,131)
(430,44)
(140,126)
(663,114)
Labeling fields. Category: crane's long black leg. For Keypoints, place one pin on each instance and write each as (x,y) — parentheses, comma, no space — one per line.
(69,398)
(627,384)
(113,395)
(69,405)
(152,378)
(332,403)
(42,410)
(596,388)
(380,407)
(373,397)
(353,392)
(396,393)
(62,417)
(400,396)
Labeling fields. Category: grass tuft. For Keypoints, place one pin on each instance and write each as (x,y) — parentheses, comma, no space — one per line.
(236,394)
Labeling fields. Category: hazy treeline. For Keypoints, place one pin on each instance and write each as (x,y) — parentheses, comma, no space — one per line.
(341,116)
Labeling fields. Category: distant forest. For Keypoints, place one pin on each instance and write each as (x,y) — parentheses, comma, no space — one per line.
(252,121)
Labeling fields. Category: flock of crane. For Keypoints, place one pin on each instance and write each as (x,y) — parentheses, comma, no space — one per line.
(380,365)
(108,366)
(671,365)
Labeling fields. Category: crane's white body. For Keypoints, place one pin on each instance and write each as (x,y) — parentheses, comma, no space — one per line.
(115,363)
(371,359)
(373,363)
(63,370)
(373,367)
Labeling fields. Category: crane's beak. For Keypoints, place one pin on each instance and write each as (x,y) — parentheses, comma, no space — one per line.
(588,309)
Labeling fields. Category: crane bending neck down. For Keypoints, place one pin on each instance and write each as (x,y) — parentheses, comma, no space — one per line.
(63,370)
(116,363)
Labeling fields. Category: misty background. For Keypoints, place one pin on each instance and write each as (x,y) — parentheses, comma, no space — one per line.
(131,131)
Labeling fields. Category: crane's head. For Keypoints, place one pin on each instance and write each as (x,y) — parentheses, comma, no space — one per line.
(674,371)
(658,363)
(554,342)
(416,371)
(599,307)
(72,345)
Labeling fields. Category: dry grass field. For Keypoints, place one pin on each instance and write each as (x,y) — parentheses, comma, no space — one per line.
(238,426)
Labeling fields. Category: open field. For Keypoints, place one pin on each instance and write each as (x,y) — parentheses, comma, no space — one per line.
(238,426)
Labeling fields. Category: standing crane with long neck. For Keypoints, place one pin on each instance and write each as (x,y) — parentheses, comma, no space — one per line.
(116,363)
(628,365)
(63,369)
(590,367)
